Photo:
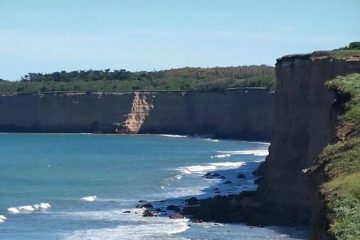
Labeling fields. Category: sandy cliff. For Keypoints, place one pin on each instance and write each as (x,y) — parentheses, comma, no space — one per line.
(244,114)
(304,123)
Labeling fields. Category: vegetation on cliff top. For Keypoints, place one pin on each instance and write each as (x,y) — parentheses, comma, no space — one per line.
(122,80)
(341,162)
(353,50)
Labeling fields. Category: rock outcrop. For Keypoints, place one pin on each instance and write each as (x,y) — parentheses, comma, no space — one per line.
(239,114)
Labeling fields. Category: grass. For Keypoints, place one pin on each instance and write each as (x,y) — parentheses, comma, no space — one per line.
(341,163)
(352,50)
(346,53)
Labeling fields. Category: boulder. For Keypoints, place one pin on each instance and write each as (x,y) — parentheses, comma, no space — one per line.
(173,208)
(149,213)
(176,216)
(192,201)
(241,175)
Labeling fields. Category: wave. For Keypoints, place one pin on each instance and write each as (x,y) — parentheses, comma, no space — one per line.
(173,135)
(28,208)
(257,152)
(222,155)
(202,169)
(2,218)
(88,199)
(196,169)
(228,164)
(137,227)
(212,140)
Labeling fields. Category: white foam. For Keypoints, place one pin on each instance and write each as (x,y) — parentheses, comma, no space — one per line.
(28,208)
(2,217)
(196,169)
(88,199)
(222,155)
(138,227)
(258,152)
(182,192)
(228,164)
(13,210)
(201,169)
(178,176)
(212,140)
(173,135)
(44,205)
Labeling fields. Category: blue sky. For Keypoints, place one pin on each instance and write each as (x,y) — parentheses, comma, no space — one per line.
(54,35)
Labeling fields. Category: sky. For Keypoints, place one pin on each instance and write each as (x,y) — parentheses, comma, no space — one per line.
(54,35)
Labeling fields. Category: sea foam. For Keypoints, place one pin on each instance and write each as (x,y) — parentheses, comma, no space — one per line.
(137,226)
(222,155)
(28,208)
(173,135)
(202,169)
(257,152)
(88,199)
(2,218)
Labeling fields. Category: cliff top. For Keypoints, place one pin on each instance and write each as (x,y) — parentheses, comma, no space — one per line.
(351,52)
(182,79)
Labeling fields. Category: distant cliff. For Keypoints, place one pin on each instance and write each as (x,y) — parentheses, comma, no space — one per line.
(241,114)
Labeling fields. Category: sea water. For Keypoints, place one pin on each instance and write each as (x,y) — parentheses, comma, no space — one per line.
(120,170)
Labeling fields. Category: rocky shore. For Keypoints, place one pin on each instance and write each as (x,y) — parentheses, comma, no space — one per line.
(230,185)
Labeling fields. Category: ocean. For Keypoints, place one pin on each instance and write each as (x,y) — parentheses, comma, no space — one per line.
(66,171)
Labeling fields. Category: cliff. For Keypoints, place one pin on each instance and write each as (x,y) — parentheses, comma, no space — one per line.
(305,121)
(241,113)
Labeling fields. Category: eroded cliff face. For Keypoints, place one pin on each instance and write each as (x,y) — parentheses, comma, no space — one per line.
(304,123)
(140,109)
(241,114)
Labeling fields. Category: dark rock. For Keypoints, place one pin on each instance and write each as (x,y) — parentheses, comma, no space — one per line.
(241,175)
(126,212)
(212,175)
(228,182)
(176,216)
(145,205)
(173,208)
(149,213)
(192,201)
(197,220)
(258,180)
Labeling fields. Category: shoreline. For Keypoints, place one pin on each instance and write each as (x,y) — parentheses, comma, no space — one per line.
(205,137)
(194,208)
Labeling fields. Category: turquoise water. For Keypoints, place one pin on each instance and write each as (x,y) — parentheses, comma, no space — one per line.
(120,170)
